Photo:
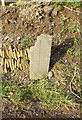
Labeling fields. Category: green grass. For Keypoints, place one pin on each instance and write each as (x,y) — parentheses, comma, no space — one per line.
(71,3)
(0,88)
(50,95)
(65,19)
(14,92)
(76,41)
(18,3)
(59,7)
(73,29)
(64,29)
(26,43)
(73,52)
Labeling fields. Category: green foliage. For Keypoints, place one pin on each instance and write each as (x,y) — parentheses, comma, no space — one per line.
(50,95)
(0,89)
(76,41)
(73,29)
(14,92)
(11,91)
(26,43)
(59,7)
(70,3)
(64,29)
(73,52)
(18,3)
(66,19)
(73,4)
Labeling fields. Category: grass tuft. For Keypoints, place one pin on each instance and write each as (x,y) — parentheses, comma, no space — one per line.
(26,43)
(50,95)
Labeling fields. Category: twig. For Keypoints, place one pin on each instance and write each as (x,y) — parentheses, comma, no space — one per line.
(71,9)
(71,85)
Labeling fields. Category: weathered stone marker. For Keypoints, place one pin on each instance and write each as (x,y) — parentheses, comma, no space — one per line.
(40,57)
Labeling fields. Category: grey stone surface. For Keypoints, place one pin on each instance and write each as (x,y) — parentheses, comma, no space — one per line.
(40,57)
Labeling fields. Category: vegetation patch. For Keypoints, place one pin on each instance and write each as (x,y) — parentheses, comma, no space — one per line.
(26,43)
(49,94)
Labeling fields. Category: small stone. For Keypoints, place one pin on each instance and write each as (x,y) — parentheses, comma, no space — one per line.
(37,14)
(17,42)
(40,17)
(12,21)
(65,60)
(50,74)
(18,38)
(12,4)
(38,26)
(22,19)
(6,37)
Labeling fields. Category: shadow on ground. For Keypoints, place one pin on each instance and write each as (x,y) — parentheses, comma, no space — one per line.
(58,52)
